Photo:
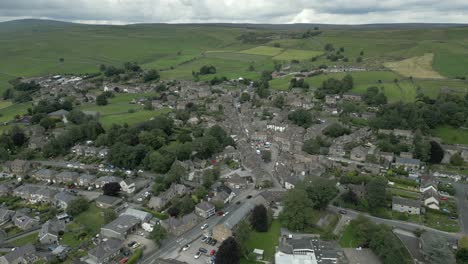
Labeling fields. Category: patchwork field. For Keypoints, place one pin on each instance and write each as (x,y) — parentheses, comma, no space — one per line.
(263,50)
(294,54)
(416,67)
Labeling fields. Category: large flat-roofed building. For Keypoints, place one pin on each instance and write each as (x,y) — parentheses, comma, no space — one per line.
(305,251)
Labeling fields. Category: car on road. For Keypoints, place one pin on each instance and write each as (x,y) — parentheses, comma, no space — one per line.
(197,255)
(444,198)
(226,213)
(131,244)
(203,250)
(204,226)
(343,212)
(220,213)
(186,247)
(238,202)
(249,196)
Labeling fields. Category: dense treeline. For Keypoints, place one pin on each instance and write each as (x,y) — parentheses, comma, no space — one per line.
(156,144)
(334,86)
(381,240)
(75,133)
(21,91)
(425,114)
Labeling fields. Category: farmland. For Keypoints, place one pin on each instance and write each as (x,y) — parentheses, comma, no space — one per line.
(432,57)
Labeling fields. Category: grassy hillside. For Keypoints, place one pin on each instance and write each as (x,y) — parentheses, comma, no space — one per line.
(32,47)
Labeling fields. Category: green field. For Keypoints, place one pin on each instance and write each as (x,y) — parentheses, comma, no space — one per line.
(89,223)
(451,135)
(9,113)
(348,239)
(119,110)
(294,54)
(266,240)
(263,50)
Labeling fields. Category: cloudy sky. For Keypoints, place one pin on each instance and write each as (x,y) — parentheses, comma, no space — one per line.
(238,11)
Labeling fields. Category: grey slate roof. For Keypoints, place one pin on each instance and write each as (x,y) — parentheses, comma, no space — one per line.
(122,223)
(106,248)
(405,201)
(205,206)
(20,252)
(408,161)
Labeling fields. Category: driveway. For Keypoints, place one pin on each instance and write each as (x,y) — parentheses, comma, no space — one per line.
(149,245)
(461,189)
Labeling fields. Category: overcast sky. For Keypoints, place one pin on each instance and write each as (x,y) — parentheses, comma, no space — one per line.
(238,11)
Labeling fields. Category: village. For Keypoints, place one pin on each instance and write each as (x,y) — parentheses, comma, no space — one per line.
(282,141)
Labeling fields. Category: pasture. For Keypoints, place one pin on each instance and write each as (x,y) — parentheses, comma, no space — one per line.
(451,135)
(416,67)
(263,50)
(295,54)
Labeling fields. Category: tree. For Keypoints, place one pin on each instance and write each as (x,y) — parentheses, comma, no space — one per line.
(158,162)
(321,192)
(151,75)
(301,117)
(18,137)
(245,97)
(259,219)
(422,148)
(437,153)
(109,215)
(77,206)
(335,130)
(456,160)
(298,210)
(329,47)
(266,155)
(376,192)
(228,252)
(314,145)
(462,256)
(158,234)
(242,235)
(47,123)
(279,102)
(111,188)
(101,99)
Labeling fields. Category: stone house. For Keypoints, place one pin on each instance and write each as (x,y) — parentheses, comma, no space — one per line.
(359,153)
(6,215)
(205,209)
(18,167)
(105,201)
(86,180)
(50,231)
(66,177)
(106,179)
(105,251)
(404,205)
(21,255)
(121,226)
(407,163)
(63,199)
(178,226)
(175,190)
(44,175)
(24,222)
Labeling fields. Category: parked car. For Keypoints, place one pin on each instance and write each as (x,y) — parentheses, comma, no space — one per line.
(197,255)
(203,250)
(213,242)
(204,238)
(204,226)
(343,212)
(220,213)
(186,247)
(212,252)
(249,196)
(208,240)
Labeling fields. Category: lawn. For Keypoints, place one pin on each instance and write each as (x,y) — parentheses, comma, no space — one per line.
(451,135)
(266,240)
(84,226)
(403,193)
(4,104)
(29,239)
(131,118)
(441,222)
(348,239)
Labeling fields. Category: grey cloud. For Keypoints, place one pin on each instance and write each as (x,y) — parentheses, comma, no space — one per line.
(252,11)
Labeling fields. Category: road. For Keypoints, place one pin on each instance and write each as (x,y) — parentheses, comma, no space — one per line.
(462,204)
(90,195)
(394,223)
(173,245)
